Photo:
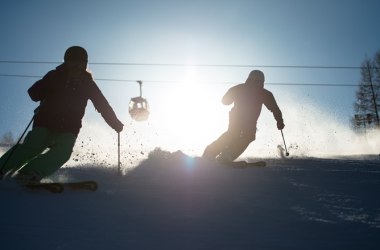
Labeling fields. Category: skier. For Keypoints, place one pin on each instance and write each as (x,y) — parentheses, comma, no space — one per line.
(63,94)
(248,99)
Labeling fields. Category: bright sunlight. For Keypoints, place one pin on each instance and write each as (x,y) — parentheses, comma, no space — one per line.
(190,115)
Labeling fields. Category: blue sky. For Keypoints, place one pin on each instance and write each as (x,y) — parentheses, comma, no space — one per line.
(266,32)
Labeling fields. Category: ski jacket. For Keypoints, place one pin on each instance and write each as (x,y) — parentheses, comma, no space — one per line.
(248,100)
(63,102)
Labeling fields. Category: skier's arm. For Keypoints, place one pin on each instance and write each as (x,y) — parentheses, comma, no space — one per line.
(40,89)
(103,107)
(229,97)
(271,104)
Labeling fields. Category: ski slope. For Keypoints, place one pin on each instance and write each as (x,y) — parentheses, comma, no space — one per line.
(173,201)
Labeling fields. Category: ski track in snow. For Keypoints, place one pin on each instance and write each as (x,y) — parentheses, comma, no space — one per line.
(172,201)
(344,190)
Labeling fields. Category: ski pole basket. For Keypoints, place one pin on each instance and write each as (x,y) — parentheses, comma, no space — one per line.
(138,107)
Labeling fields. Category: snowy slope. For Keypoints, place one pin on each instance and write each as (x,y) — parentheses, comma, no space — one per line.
(172,201)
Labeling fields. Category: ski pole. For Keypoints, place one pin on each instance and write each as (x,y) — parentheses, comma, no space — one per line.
(118,154)
(286,150)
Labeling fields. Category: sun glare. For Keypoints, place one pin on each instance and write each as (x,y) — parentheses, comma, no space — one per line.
(190,116)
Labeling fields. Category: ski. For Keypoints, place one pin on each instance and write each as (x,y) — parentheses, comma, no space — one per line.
(59,187)
(81,185)
(244,164)
(51,187)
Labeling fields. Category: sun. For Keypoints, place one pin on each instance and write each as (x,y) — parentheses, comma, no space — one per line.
(189,116)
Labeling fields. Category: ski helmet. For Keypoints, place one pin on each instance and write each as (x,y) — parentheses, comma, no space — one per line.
(76,53)
(256,77)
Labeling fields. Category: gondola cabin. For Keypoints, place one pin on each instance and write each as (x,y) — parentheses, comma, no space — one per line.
(138,107)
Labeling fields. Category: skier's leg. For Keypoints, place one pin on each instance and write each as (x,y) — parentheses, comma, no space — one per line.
(217,146)
(238,146)
(220,144)
(35,142)
(59,153)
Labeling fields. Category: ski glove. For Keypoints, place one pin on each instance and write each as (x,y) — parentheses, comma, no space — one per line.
(280,125)
(118,126)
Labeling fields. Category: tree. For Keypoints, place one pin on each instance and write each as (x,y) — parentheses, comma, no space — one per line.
(367,96)
(377,75)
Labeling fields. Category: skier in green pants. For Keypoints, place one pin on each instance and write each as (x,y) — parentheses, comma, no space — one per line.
(63,94)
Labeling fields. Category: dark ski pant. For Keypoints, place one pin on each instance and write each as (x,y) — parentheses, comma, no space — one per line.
(43,152)
(231,143)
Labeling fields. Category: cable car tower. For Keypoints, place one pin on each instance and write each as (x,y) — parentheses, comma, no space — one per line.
(138,107)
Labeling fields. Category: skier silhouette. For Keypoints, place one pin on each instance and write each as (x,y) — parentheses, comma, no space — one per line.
(248,99)
(63,94)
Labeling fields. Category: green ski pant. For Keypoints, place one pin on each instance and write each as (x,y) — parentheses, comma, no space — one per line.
(43,152)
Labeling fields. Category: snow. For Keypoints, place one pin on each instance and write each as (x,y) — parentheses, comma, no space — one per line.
(173,201)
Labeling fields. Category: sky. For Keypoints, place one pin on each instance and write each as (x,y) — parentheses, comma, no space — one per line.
(188,53)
